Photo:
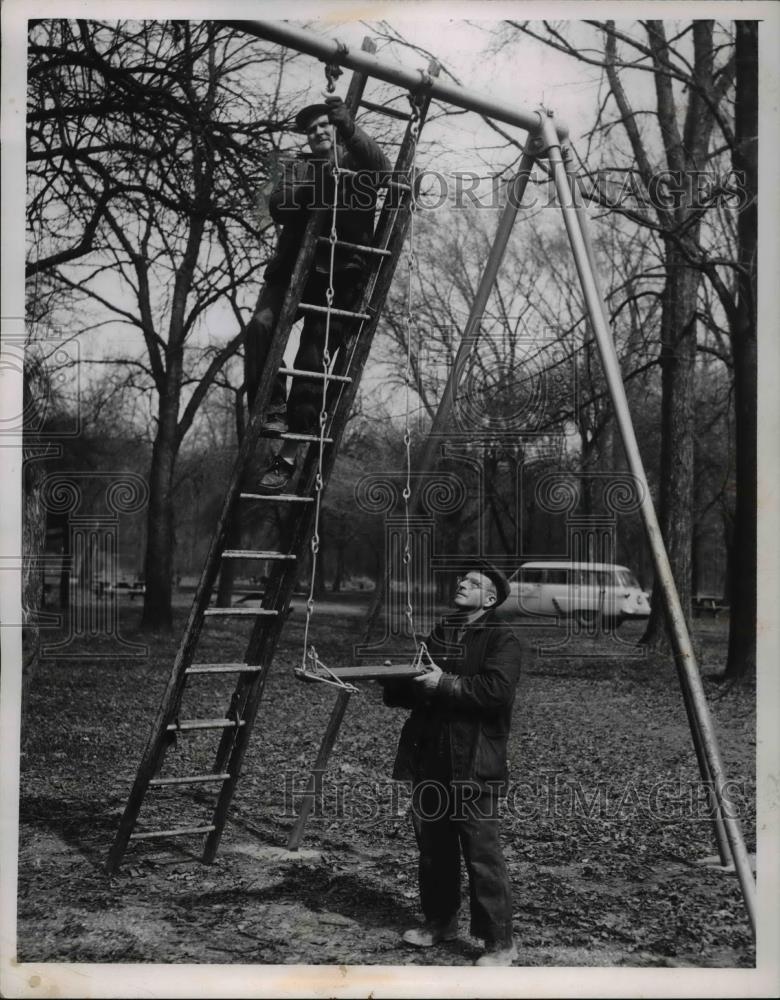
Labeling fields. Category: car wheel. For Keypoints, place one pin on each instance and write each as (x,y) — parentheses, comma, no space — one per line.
(612,623)
(588,619)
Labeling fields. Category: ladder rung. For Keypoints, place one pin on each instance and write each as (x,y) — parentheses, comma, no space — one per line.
(292,436)
(303,373)
(254,554)
(357,246)
(367,673)
(385,183)
(222,668)
(238,612)
(189,779)
(310,307)
(178,727)
(401,185)
(279,497)
(383,110)
(178,831)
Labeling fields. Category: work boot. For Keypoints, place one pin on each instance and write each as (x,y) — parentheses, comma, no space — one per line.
(277,475)
(431,933)
(498,954)
(274,423)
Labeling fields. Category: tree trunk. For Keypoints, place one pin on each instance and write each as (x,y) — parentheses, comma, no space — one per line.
(742,628)
(338,579)
(727,525)
(33,545)
(65,567)
(678,355)
(158,571)
(227,571)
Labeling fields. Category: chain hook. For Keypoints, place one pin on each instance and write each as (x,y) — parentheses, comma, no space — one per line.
(332,69)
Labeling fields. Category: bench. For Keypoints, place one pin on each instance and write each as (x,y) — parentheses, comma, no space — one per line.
(707,606)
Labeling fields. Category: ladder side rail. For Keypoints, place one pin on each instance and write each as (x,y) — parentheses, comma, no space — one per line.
(276,601)
(299,525)
(403,165)
(278,594)
(374,299)
(400,221)
(358,80)
(251,436)
(390,233)
(399,218)
(171,698)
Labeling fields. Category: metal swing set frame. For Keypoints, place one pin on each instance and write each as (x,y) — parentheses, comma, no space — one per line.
(547,139)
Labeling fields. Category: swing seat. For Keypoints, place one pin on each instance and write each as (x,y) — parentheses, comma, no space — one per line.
(370,672)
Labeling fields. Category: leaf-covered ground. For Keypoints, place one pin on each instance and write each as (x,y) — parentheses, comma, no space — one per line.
(605,825)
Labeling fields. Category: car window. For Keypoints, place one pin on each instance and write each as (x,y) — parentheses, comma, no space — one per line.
(576,577)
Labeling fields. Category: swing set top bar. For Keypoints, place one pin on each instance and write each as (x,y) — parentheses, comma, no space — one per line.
(334,52)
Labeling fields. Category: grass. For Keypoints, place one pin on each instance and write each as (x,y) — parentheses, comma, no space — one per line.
(604,826)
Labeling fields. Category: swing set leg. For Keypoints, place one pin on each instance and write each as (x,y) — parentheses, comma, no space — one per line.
(315,781)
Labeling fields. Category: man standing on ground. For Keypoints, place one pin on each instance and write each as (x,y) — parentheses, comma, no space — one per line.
(309,183)
(453,750)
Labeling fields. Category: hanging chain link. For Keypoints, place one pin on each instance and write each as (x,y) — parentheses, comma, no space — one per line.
(311,665)
(323,416)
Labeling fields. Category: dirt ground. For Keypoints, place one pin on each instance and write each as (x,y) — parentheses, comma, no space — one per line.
(604,828)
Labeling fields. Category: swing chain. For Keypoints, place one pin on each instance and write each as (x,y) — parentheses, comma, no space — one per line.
(320,672)
(414,131)
(311,657)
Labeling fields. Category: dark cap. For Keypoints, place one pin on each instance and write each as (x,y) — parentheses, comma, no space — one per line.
(496,577)
(307,115)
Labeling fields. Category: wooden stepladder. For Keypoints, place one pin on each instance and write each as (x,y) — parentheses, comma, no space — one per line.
(234,725)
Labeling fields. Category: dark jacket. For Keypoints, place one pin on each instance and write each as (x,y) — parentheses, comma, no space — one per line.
(467,718)
(308,182)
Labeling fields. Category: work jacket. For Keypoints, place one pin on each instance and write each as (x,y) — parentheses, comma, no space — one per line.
(460,730)
(308,182)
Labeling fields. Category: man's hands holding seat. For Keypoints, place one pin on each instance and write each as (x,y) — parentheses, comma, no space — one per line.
(429,681)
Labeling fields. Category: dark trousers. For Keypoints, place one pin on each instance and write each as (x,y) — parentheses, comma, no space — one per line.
(449,818)
(305,400)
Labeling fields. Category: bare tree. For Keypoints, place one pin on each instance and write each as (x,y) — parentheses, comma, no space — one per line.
(693,122)
(148,146)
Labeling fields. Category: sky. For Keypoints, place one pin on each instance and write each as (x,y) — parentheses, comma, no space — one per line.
(464,48)
(461,36)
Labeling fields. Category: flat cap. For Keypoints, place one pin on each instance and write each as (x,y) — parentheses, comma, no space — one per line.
(307,115)
(487,569)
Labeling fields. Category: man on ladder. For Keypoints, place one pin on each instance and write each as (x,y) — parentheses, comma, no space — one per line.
(307,183)
(453,751)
